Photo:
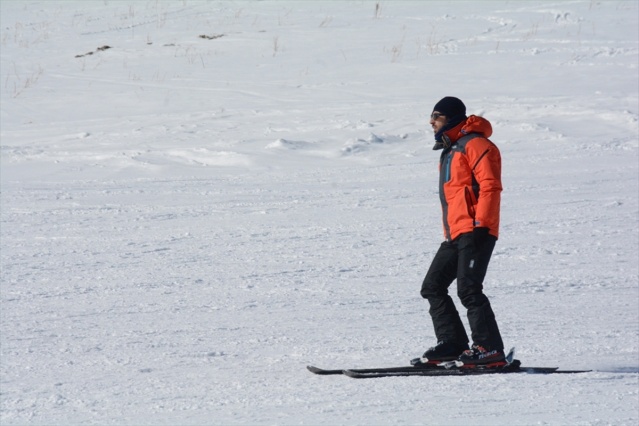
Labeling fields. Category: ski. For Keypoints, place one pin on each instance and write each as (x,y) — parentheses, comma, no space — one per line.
(417,364)
(324,372)
(435,370)
(513,368)
(423,367)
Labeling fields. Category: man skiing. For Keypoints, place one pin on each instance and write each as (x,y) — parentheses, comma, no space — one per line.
(470,191)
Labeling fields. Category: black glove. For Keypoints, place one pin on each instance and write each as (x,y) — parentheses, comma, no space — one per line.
(480,236)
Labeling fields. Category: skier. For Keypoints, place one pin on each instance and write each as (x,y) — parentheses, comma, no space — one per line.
(469,190)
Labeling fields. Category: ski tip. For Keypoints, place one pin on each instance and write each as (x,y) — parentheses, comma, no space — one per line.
(558,371)
(321,371)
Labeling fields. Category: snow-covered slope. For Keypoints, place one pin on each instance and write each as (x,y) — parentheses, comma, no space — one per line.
(199,199)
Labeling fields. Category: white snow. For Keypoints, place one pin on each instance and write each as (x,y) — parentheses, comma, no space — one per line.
(234,190)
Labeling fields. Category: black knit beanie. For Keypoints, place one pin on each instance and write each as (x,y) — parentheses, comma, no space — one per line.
(450,107)
(455,112)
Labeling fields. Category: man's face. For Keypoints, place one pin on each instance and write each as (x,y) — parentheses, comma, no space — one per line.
(437,121)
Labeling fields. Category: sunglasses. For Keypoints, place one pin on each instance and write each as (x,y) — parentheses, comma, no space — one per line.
(436,115)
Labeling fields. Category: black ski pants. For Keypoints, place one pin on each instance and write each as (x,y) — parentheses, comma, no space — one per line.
(463,260)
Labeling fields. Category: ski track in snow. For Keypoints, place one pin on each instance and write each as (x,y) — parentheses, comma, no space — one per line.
(188,221)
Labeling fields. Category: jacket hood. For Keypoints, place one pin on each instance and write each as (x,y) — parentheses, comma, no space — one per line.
(472,124)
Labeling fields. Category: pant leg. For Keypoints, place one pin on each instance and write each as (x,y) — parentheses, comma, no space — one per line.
(442,272)
(472,267)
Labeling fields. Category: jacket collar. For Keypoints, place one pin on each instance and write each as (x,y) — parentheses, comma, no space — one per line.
(449,137)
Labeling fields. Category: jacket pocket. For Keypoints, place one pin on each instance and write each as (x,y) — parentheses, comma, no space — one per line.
(446,176)
(471,202)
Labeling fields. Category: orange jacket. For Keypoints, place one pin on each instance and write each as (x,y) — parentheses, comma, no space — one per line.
(470,179)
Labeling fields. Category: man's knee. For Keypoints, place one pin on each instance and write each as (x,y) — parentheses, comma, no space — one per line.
(432,288)
(427,289)
(473,297)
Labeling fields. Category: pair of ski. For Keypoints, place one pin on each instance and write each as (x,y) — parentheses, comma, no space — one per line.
(451,368)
